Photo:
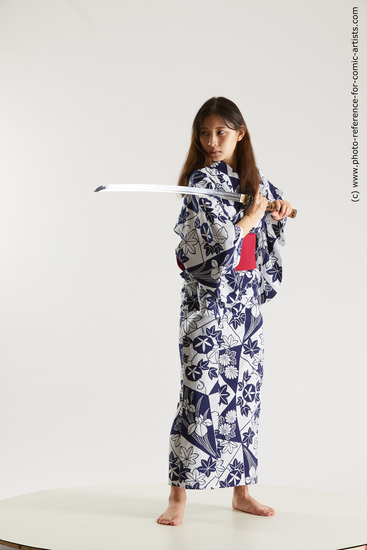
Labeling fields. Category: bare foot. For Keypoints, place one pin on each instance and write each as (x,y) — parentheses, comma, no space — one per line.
(176,507)
(245,503)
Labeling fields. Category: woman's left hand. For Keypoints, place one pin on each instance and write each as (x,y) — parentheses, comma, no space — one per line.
(283,210)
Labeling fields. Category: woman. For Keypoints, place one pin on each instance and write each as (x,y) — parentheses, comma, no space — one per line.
(230,264)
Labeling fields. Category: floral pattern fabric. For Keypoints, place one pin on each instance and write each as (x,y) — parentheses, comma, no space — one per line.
(213,441)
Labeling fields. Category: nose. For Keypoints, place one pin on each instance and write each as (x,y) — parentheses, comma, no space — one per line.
(213,140)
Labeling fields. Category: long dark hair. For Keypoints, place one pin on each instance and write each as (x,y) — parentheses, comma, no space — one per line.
(198,158)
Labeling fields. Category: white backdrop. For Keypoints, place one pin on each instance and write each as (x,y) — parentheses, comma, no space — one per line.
(105,91)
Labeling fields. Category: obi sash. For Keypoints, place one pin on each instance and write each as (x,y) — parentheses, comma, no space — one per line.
(247,258)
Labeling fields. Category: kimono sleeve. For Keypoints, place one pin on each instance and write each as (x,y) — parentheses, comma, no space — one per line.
(210,243)
(269,241)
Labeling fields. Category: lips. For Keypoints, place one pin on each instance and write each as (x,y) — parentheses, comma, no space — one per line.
(214,152)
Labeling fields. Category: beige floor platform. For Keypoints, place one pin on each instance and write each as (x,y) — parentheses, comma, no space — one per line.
(113,517)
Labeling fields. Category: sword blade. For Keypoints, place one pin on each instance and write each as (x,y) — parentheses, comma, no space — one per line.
(244,198)
(178,189)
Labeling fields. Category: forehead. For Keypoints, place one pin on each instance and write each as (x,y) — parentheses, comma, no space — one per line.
(213,121)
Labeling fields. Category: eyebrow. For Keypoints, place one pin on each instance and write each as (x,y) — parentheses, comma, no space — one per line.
(216,128)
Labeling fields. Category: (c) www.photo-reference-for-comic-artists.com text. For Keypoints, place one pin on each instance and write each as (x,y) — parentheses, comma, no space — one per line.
(354,92)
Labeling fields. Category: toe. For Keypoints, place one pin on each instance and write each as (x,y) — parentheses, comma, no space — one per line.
(166,521)
(161,520)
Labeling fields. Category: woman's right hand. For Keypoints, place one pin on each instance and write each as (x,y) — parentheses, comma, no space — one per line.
(257,208)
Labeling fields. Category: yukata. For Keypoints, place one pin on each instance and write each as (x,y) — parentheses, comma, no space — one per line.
(213,440)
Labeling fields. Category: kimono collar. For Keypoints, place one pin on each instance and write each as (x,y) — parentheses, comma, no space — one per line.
(232,176)
(225,168)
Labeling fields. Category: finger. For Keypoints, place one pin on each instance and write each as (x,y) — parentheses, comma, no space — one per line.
(285,209)
(288,210)
(278,215)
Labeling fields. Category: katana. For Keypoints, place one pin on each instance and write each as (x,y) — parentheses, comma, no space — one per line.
(244,198)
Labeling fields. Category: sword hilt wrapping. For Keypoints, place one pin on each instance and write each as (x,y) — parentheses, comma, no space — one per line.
(246,200)
(272,208)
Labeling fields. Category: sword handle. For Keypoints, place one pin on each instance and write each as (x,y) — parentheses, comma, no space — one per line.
(245,198)
(272,208)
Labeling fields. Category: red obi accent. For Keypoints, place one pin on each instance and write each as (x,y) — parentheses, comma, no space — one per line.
(180,264)
(247,259)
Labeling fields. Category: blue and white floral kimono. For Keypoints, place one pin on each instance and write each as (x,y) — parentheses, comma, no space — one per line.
(213,441)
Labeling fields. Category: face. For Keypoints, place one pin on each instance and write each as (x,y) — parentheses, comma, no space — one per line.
(220,141)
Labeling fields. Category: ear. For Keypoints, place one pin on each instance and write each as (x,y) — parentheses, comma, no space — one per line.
(241,133)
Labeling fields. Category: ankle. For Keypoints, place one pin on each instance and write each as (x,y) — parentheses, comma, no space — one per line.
(177,495)
(241,490)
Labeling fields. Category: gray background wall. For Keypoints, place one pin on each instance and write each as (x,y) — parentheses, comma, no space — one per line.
(105,92)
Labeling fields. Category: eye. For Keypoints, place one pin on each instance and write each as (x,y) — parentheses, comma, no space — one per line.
(221,132)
